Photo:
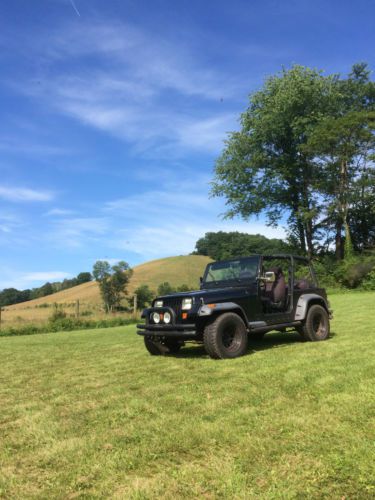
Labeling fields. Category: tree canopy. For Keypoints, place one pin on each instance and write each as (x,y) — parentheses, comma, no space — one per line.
(306,141)
(113,281)
(222,245)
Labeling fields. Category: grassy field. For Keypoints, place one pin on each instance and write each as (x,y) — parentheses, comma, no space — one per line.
(184,269)
(91,414)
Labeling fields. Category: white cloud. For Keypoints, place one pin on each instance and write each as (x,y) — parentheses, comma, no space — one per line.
(18,194)
(78,232)
(45,276)
(126,94)
(60,212)
(11,278)
(170,220)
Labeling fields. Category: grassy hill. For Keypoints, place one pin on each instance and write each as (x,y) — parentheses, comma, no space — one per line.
(184,269)
(92,415)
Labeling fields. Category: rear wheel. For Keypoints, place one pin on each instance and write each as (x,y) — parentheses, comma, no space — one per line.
(225,337)
(316,326)
(162,346)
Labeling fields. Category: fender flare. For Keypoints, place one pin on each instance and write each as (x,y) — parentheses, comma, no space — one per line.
(304,302)
(209,309)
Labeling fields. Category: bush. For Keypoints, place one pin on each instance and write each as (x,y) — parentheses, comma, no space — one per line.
(369,281)
(57,314)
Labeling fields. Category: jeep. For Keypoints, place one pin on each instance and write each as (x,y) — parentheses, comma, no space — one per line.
(240,299)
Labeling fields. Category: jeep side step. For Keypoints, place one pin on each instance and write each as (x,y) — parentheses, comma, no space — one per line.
(261,326)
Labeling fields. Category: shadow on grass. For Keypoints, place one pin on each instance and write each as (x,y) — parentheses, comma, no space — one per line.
(271,340)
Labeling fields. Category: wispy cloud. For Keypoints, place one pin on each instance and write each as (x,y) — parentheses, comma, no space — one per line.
(16,145)
(12,278)
(77,232)
(169,220)
(45,276)
(125,94)
(20,194)
(59,212)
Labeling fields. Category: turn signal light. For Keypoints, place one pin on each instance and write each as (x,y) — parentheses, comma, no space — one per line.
(184,315)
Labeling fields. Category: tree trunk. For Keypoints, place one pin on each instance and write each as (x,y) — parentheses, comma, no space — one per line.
(309,239)
(339,252)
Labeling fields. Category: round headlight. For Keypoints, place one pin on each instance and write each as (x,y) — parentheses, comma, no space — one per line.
(155,317)
(167,317)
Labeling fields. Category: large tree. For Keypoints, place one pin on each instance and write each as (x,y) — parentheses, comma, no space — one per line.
(264,167)
(344,144)
(296,155)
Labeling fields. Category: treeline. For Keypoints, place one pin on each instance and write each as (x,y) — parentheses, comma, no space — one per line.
(355,271)
(10,296)
(222,245)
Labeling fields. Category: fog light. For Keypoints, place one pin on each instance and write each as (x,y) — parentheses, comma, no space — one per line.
(155,317)
(167,317)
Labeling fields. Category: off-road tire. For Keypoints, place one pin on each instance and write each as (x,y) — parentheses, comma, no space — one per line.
(225,337)
(161,347)
(316,326)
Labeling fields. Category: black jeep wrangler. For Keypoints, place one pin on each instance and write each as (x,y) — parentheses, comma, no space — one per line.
(239,299)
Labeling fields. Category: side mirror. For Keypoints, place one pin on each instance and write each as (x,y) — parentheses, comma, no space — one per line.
(269,277)
(201,280)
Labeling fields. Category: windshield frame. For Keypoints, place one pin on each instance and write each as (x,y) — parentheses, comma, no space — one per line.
(233,281)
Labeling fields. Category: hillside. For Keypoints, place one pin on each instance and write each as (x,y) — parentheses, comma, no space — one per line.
(184,269)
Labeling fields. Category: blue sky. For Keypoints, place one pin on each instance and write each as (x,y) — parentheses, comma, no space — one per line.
(113,113)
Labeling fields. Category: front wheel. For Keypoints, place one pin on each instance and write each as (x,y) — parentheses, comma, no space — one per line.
(225,337)
(316,326)
(162,346)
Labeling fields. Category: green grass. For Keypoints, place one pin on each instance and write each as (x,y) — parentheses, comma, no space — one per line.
(90,414)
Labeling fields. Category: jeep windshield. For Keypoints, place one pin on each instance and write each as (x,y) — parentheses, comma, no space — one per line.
(231,272)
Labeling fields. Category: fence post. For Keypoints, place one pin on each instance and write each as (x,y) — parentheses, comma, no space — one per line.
(135,306)
(77,308)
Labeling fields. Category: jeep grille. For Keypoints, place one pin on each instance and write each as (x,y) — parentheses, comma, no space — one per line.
(174,303)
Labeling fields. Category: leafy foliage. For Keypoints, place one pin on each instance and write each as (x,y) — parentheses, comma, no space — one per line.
(305,146)
(165,288)
(144,296)
(113,281)
(222,245)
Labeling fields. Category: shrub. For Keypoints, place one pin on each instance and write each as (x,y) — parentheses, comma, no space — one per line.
(369,281)
(57,314)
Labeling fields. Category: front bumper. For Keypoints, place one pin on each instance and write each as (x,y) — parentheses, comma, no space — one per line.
(178,331)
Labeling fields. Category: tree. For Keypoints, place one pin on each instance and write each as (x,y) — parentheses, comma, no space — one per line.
(345,143)
(46,289)
(165,288)
(10,296)
(264,167)
(84,277)
(113,281)
(144,296)
(183,288)
(222,245)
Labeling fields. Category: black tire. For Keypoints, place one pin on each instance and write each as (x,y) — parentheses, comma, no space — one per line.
(316,326)
(161,347)
(225,337)
(173,345)
(299,329)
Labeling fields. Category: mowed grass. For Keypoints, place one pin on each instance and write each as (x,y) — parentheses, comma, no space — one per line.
(90,414)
